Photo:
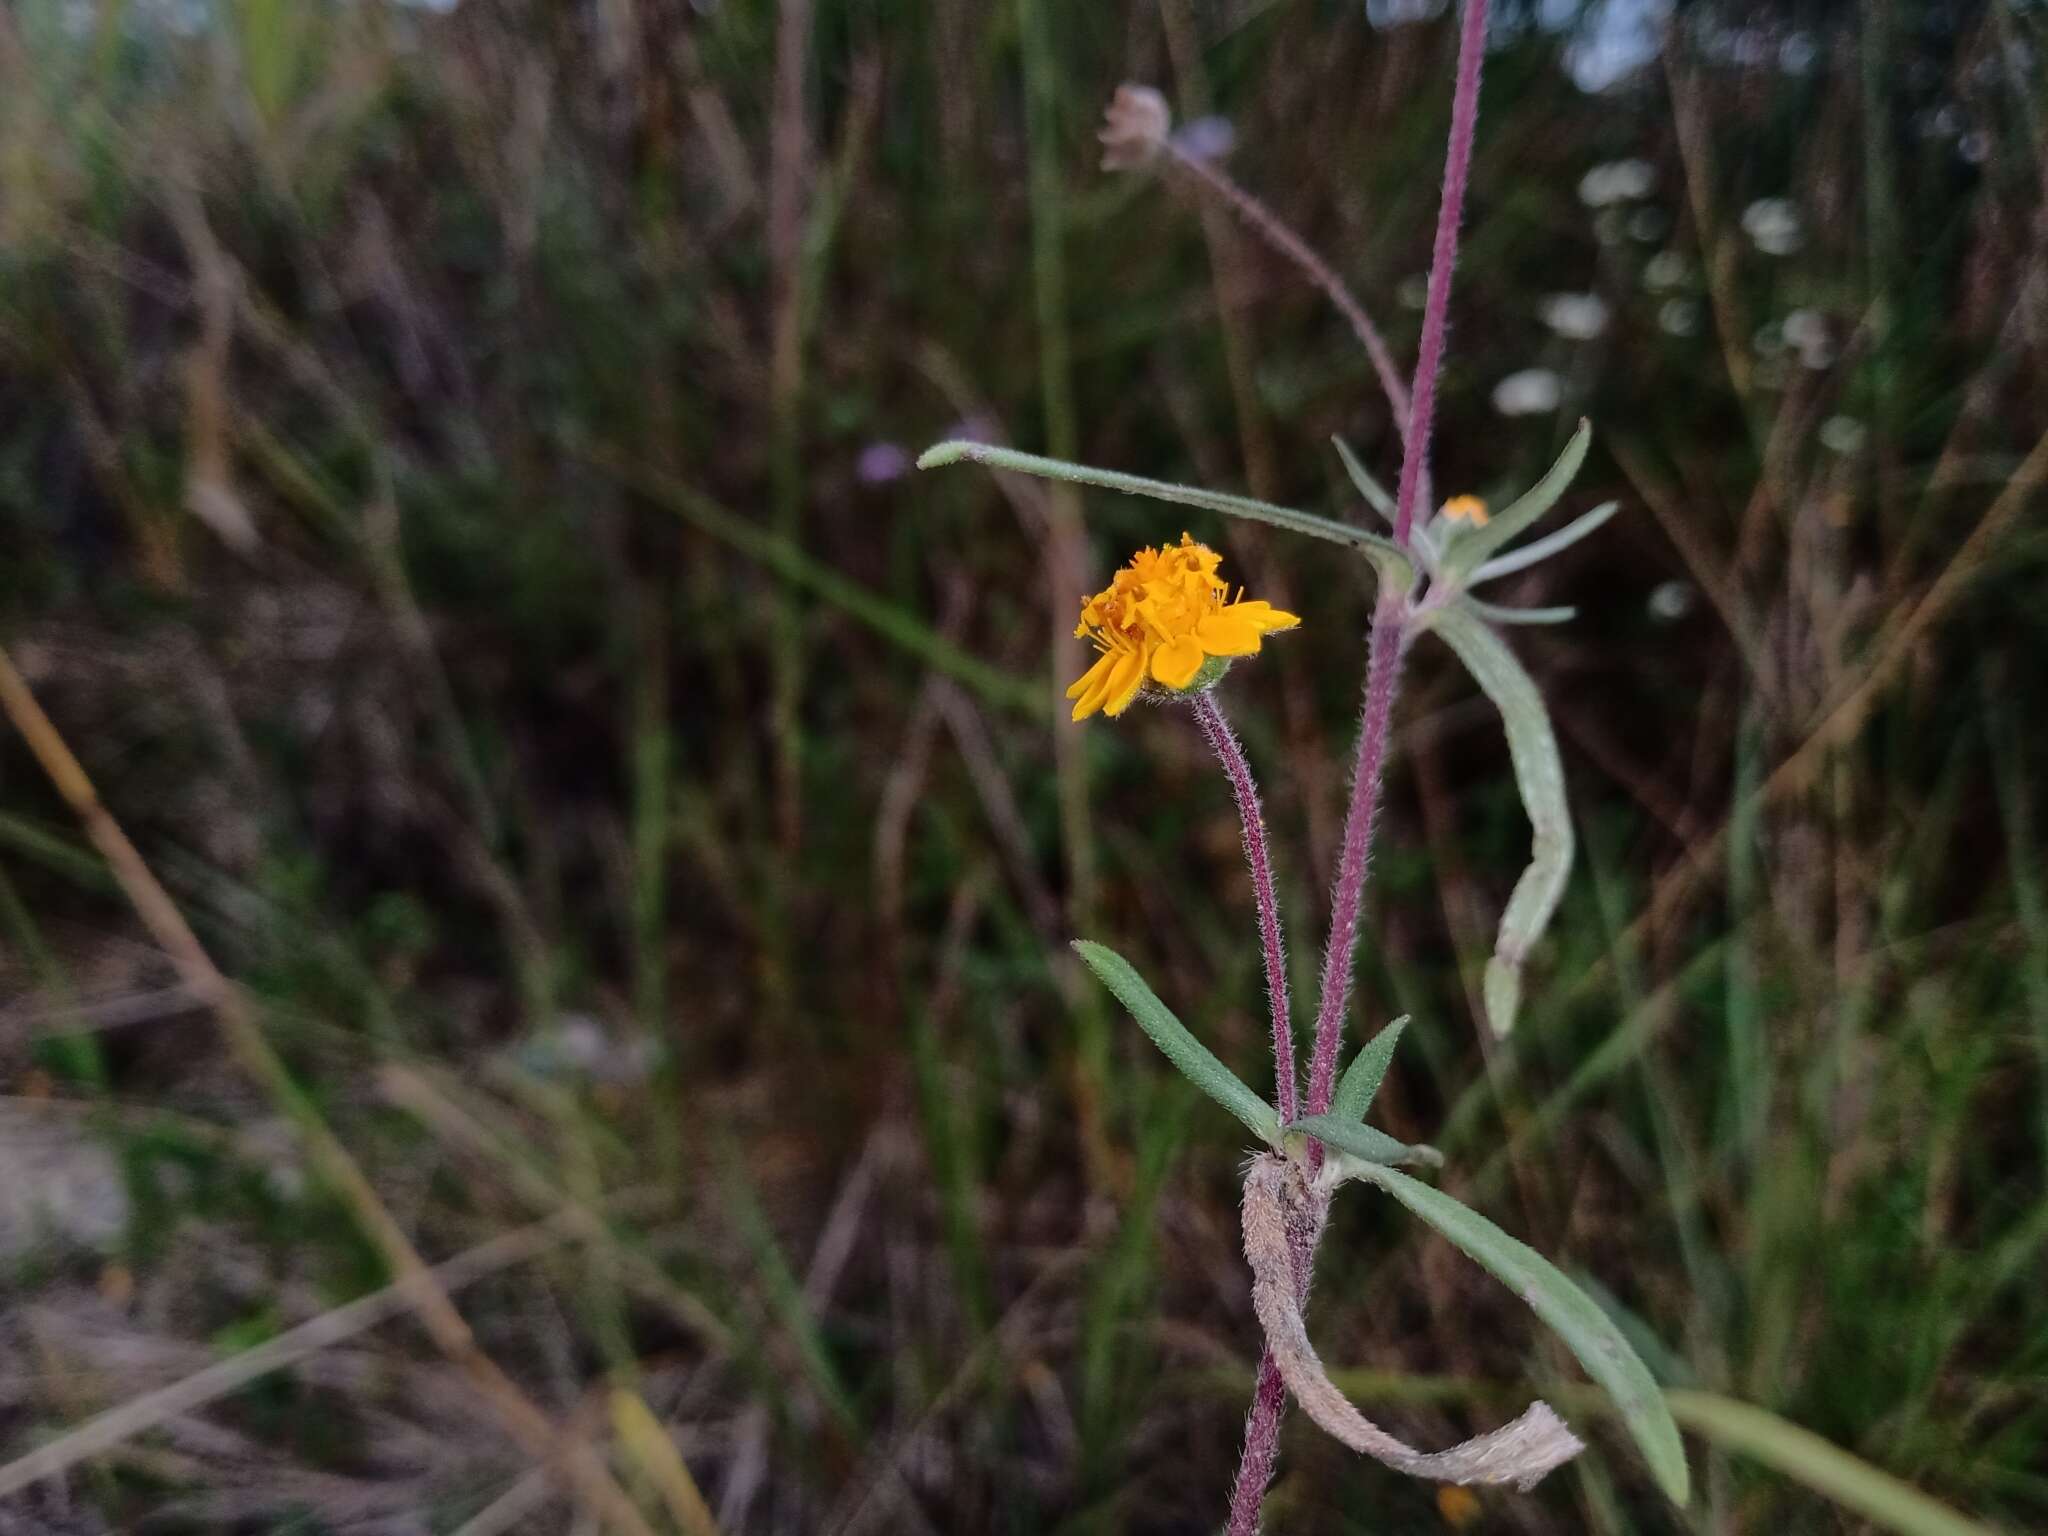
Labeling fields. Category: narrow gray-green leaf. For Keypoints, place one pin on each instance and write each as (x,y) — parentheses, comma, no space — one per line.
(1474,546)
(1361,1080)
(1374,493)
(1162,490)
(1494,613)
(1539,774)
(1194,1060)
(1543,548)
(1571,1314)
(1366,1143)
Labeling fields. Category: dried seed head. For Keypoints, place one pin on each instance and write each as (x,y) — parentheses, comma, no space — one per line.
(1134,128)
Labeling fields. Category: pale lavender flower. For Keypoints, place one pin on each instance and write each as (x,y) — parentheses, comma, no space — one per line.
(879,463)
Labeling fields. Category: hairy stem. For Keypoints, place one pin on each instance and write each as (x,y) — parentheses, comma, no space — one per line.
(1436,307)
(1261,1449)
(1216,731)
(1385,651)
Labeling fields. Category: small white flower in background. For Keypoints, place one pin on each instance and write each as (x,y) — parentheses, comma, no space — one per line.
(1413,292)
(1532,392)
(1679,317)
(1806,332)
(1797,53)
(1773,226)
(1974,146)
(1842,434)
(1664,271)
(1134,128)
(1400,13)
(1575,316)
(1618,181)
(1206,138)
(1670,601)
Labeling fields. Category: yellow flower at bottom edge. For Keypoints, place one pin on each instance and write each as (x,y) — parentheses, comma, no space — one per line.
(1466,509)
(1162,618)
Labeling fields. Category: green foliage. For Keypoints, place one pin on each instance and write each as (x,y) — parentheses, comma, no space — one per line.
(1387,557)
(1539,774)
(1194,1060)
(1368,1069)
(1362,1142)
(1470,548)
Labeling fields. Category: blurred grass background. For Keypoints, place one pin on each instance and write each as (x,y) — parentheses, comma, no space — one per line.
(452,475)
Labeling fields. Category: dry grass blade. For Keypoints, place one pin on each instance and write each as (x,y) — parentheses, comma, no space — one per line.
(139,1415)
(521,1418)
(651,1448)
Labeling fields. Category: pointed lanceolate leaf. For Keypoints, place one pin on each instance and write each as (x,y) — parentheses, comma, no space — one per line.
(1570,1313)
(1474,546)
(1361,1080)
(1494,613)
(1385,554)
(1374,493)
(1543,548)
(1539,775)
(1363,1143)
(1195,1061)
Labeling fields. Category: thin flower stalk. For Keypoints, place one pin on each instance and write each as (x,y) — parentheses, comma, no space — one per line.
(1223,742)
(1214,179)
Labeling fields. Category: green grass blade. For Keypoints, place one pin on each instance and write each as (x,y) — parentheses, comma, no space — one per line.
(1194,1060)
(1165,490)
(1543,548)
(1736,1427)
(893,622)
(1368,1069)
(1820,1464)
(1539,774)
(1473,547)
(1573,1315)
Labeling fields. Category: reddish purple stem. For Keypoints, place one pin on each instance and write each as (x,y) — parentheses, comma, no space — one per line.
(1261,1448)
(1436,306)
(1385,651)
(1216,731)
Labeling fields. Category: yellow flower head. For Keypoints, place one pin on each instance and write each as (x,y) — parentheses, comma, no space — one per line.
(1163,617)
(1466,509)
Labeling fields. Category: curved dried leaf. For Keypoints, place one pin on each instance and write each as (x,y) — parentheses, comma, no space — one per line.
(1519,1453)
